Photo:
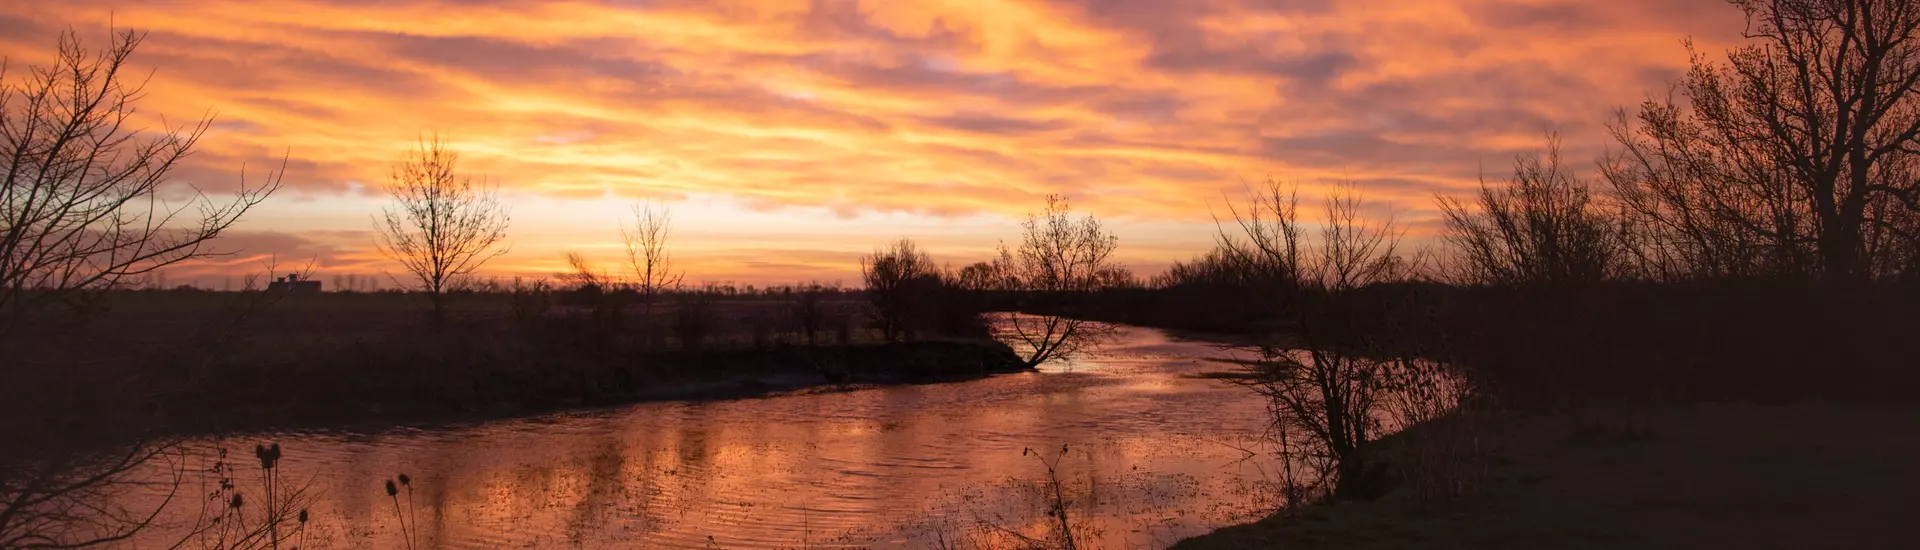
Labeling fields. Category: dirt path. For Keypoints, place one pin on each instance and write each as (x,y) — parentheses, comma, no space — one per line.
(1707,476)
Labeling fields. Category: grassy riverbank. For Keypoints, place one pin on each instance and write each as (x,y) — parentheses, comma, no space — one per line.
(369,385)
(1804,475)
(187,363)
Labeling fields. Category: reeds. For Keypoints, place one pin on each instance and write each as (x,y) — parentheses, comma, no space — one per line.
(409,525)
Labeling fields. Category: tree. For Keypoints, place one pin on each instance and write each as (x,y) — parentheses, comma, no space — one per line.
(808,308)
(648,256)
(440,227)
(83,210)
(1059,255)
(1542,227)
(81,206)
(81,500)
(1215,268)
(1796,156)
(584,277)
(595,290)
(1324,369)
(979,277)
(900,280)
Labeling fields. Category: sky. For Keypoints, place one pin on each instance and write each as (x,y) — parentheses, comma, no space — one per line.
(789,137)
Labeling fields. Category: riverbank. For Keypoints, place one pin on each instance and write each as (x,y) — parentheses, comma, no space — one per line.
(192,364)
(373,388)
(1804,475)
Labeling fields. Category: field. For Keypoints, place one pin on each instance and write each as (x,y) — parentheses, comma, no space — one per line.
(1803,475)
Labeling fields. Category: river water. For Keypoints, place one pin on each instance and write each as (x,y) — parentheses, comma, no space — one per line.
(1152,454)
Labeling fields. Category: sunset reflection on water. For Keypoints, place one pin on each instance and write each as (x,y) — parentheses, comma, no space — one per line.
(1153,455)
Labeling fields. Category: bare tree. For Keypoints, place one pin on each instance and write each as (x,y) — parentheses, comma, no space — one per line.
(648,256)
(979,277)
(82,206)
(900,281)
(1324,372)
(1059,255)
(1265,252)
(1542,227)
(809,309)
(441,227)
(584,276)
(1215,268)
(84,209)
(1796,155)
(79,501)
(97,478)
(593,288)
(72,500)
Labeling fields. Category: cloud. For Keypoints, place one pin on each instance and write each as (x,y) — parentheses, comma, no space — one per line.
(1142,110)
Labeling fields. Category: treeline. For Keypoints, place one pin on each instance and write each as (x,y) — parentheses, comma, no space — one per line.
(1551,293)
(1553,290)
(1753,236)
(1755,233)
(905,294)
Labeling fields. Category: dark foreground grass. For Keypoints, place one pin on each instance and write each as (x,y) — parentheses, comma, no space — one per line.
(1804,475)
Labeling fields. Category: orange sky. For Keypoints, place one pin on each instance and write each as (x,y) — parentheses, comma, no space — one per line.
(791,136)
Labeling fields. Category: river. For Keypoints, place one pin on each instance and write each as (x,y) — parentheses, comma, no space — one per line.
(1152,454)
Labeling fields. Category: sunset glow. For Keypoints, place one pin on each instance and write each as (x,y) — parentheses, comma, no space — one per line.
(791,136)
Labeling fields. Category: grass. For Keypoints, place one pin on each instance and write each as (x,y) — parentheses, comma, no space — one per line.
(1803,475)
(196,362)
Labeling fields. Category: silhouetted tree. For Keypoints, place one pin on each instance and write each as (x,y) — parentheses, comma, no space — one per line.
(900,280)
(648,256)
(1796,155)
(1324,371)
(1059,255)
(980,277)
(584,276)
(595,290)
(81,502)
(85,208)
(1265,250)
(441,227)
(1541,227)
(1216,268)
(809,310)
(81,206)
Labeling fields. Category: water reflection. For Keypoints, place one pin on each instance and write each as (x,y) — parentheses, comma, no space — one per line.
(1154,456)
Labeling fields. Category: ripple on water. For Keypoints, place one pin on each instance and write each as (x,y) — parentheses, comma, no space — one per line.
(1154,455)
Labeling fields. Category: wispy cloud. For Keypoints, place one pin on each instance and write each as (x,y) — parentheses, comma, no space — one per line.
(1144,111)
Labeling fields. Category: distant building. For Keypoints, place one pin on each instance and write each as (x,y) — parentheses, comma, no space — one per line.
(293,284)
